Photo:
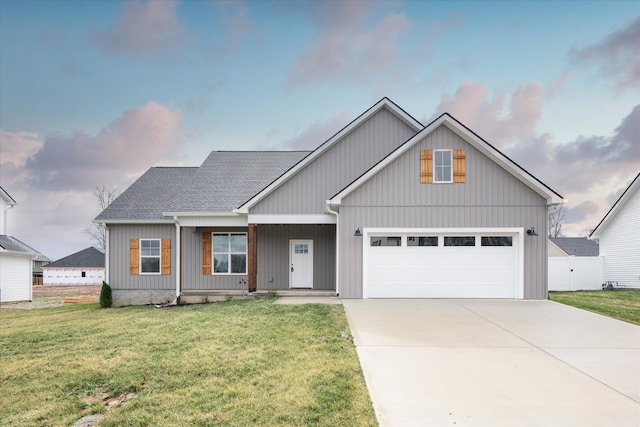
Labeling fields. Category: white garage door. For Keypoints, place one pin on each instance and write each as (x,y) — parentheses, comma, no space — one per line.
(441,265)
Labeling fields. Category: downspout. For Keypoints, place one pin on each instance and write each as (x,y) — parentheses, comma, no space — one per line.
(106,253)
(178,269)
(337,247)
(4,218)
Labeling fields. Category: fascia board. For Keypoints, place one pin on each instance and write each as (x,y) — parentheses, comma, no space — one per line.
(188,214)
(7,197)
(385,102)
(622,200)
(134,221)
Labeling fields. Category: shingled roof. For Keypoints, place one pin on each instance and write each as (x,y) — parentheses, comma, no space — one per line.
(90,257)
(10,243)
(578,246)
(224,181)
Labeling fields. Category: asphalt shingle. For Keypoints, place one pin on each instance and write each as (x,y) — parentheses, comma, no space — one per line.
(90,257)
(578,246)
(10,243)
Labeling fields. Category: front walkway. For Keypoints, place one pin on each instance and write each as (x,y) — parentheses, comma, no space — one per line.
(496,362)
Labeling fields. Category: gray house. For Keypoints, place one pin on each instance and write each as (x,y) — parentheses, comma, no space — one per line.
(385,208)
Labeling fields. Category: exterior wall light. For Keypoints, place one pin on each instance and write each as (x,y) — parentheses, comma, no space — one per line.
(531,232)
(358,233)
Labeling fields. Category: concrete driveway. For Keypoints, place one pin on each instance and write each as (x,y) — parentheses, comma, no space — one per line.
(496,362)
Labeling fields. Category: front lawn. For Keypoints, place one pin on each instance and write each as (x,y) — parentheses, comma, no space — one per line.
(237,363)
(619,304)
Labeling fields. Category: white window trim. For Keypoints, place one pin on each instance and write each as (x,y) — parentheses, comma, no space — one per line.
(246,255)
(159,256)
(435,175)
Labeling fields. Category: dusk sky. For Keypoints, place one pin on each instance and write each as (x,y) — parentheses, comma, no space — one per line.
(94,93)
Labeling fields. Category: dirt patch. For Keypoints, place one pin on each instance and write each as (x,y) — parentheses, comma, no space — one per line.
(53,296)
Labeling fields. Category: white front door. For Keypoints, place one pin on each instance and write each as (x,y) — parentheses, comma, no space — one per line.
(301,264)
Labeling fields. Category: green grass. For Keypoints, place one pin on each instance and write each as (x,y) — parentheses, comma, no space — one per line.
(619,304)
(238,363)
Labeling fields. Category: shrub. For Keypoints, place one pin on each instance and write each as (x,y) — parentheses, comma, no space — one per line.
(105,295)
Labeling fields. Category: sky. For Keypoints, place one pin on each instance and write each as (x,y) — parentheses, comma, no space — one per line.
(93,93)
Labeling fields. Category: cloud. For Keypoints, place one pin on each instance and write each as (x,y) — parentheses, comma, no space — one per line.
(234,17)
(142,28)
(345,45)
(582,211)
(139,138)
(318,132)
(502,119)
(616,56)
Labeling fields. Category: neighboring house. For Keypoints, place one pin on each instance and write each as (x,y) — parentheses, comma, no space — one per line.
(38,263)
(619,236)
(82,268)
(15,259)
(385,208)
(574,264)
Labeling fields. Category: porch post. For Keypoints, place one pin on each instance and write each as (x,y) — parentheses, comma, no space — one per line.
(252,254)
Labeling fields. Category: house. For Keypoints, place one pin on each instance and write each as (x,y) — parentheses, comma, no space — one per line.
(574,264)
(85,267)
(385,208)
(618,234)
(15,259)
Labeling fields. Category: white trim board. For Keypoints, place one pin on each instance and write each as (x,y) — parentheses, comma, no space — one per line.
(291,219)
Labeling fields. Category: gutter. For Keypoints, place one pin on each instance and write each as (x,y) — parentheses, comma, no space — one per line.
(178,258)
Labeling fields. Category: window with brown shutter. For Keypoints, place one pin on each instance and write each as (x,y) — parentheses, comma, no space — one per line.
(459,167)
(206,253)
(166,256)
(426,166)
(134,256)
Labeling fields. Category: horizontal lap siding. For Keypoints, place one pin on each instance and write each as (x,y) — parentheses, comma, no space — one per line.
(273,254)
(307,191)
(193,279)
(119,273)
(491,197)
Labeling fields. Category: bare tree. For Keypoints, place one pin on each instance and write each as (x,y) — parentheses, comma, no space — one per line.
(556,219)
(97,232)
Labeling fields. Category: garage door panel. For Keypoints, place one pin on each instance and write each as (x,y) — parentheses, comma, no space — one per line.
(442,272)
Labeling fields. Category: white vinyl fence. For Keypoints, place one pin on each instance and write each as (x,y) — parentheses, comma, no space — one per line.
(575,273)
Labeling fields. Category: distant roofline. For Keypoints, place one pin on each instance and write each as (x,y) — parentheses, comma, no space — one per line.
(610,214)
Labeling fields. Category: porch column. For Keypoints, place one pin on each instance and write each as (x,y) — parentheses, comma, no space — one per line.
(252,254)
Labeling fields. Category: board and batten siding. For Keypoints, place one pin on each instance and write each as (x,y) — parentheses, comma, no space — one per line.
(307,191)
(273,254)
(120,277)
(192,276)
(620,244)
(490,198)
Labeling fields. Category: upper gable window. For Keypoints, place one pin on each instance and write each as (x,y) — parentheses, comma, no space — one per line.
(442,166)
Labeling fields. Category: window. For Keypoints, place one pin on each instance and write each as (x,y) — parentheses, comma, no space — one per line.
(301,248)
(229,253)
(385,241)
(149,256)
(442,165)
(84,274)
(422,241)
(460,241)
(496,241)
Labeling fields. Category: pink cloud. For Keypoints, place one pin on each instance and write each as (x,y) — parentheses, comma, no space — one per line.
(345,44)
(616,56)
(142,28)
(139,138)
(502,119)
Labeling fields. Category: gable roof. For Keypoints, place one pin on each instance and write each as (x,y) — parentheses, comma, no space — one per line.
(578,246)
(232,177)
(7,197)
(149,195)
(90,257)
(224,181)
(474,140)
(11,244)
(383,103)
(617,206)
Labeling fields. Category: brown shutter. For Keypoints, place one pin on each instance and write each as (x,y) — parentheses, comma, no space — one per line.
(134,256)
(426,166)
(166,256)
(206,253)
(459,167)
